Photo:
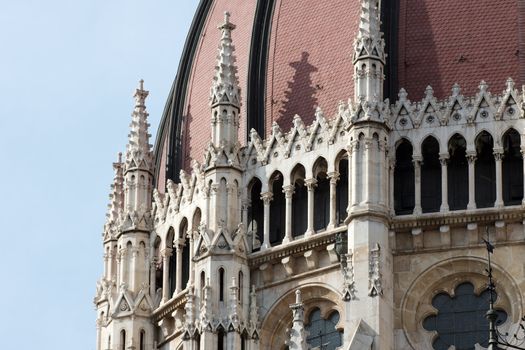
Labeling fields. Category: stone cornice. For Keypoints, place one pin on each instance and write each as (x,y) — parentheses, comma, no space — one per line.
(458,218)
(295,247)
(171,305)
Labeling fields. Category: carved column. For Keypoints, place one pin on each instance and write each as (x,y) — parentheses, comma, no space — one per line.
(471,157)
(288,193)
(134,269)
(206,209)
(354,199)
(443,159)
(383,161)
(266,198)
(166,255)
(498,157)
(192,263)
(392,168)
(350,177)
(310,185)
(334,177)
(178,256)
(367,174)
(122,267)
(417,183)
(107,257)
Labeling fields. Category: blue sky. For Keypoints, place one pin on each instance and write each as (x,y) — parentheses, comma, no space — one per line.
(67,73)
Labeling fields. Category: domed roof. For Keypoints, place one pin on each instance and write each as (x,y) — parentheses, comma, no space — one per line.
(293,56)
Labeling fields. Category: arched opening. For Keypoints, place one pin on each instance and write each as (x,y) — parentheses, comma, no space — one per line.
(321,195)
(485,171)
(277,209)
(430,176)
(197,217)
(159,271)
(457,173)
(221,338)
(221,284)
(172,273)
(342,190)
(142,340)
(322,333)
(299,201)
(256,215)
(203,283)
(241,286)
(185,253)
(122,340)
(512,168)
(404,199)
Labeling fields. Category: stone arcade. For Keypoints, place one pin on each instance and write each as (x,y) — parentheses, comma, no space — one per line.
(356,231)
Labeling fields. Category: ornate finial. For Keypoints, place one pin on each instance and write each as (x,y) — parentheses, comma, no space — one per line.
(297,334)
(298,299)
(120,157)
(456,90)
(510,84)
(369,41)
(429,92)
(116,205)
(402,95)
(138,153)
(483,86)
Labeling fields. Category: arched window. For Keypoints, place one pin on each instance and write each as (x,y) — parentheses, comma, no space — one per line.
(158,265)
(457,173)
(342,191)
(221,284)
(220,338)
(404,199)
(460,320)
(430,176)
(142,340)
(173,262)
(485,171)
(203,283)
(256,214)
(244,340)
(299,202)
(185,253)
(321,195)
(241,285)
(122,340)
(322,333)
(512,168)
(277,209)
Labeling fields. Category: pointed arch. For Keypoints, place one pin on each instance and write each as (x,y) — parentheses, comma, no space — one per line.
(321,194)
(277,209)
(404,187)
(185,251)
(255,214)
(159,270)
(221,284)
(512,168)
(485,172)
(341,190)
(299,201)
(430,175)
(172,272)
(457,173)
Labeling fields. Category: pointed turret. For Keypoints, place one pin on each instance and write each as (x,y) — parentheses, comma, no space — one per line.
(298,334)
(116,205)
(369,54)
(225,94)
(138,153)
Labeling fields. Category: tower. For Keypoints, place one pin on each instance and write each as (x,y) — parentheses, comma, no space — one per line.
(220,256)
(124,302)
(368,214)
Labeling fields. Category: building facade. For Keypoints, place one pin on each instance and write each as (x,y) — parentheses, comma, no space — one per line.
(259,221)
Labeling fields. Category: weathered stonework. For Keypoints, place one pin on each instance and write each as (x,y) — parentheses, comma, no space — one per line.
(217,260)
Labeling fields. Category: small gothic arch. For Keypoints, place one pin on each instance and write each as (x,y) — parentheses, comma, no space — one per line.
(404,187)
(341,191)
(512,168)
(457,173)
(240,289)
(299,201)
(255,214)
(277,209)
(142,340)
(221,284)
(123,340)
(185,251)
(321,195)
(430,176)
(172,273)
(158,264)
(485,170)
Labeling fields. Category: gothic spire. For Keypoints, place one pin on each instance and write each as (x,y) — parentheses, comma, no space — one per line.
(225,89)
(116,204)
(298,334)
(369,42)
(138,153)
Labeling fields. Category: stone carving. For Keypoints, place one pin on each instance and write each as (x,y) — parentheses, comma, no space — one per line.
(374,272)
